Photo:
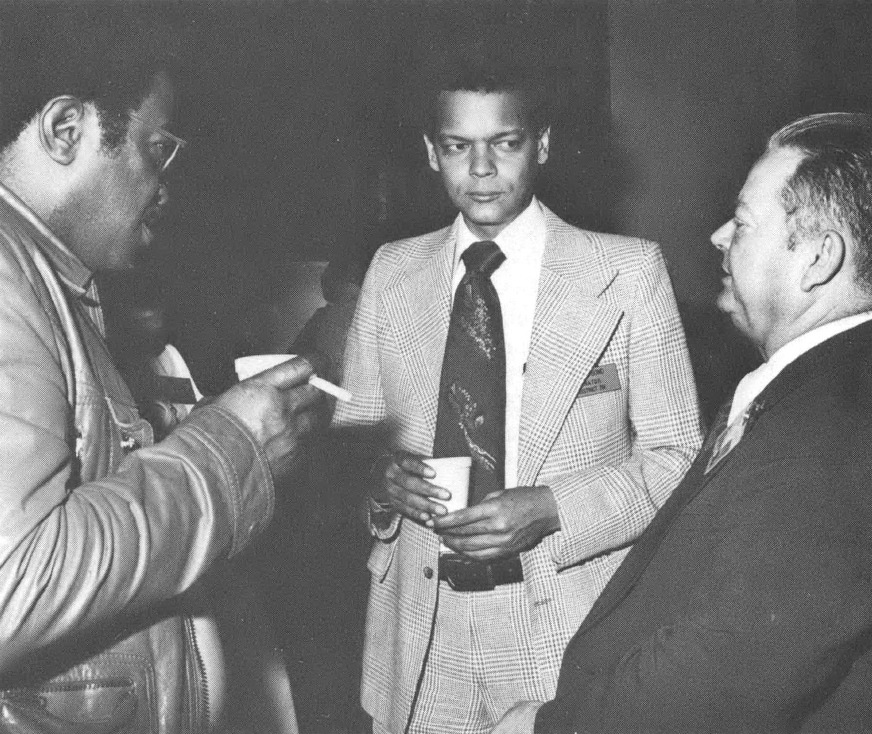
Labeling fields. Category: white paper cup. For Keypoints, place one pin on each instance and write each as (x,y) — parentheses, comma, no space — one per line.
(452,473)
(255,364)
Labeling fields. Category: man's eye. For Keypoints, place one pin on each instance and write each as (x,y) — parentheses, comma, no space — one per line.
(509,144)
(455,147)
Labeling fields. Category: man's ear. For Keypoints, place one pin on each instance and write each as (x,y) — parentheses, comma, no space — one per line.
(431,154)
(826,256)
(61,125)
(542,145)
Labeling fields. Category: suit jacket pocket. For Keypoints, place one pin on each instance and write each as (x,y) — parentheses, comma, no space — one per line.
(380,559)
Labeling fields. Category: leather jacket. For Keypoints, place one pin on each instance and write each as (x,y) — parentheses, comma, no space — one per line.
(102,531)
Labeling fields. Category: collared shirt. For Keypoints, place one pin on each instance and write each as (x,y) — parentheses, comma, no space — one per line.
(517,284)
(752,384)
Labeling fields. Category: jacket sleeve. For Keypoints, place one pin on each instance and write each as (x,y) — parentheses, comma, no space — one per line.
(77,556)
(608,506)
(364,417)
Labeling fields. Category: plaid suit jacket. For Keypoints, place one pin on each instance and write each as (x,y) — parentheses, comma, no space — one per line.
(611,457)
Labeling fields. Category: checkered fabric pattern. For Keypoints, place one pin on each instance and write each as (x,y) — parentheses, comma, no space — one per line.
(611,457)
(481,662)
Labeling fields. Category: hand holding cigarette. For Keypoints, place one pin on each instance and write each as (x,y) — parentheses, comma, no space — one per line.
(280,411)
(250,366)
(340,393)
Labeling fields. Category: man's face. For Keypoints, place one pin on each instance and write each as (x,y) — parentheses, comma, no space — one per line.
(487,155)
(760,281)
(110,217)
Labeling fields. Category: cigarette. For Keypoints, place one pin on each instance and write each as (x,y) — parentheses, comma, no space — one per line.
(331,389)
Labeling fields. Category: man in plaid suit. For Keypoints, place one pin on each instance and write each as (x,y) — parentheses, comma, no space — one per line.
(601,424)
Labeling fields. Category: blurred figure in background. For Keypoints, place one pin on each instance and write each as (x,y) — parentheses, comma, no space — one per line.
(326,330)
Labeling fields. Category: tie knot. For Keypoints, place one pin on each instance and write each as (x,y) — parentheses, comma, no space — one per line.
(483,257)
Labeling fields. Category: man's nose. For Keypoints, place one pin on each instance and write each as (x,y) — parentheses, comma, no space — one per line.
(722,236)
(482,164)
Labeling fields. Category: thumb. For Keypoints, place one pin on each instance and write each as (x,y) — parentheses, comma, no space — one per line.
(288,374)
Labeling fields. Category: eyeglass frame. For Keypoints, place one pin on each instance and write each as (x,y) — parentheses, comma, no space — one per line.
(179,142)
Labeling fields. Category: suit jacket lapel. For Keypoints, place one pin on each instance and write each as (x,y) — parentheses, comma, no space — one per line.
(418,309)
(572,326)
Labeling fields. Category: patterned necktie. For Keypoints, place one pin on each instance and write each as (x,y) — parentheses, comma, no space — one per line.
(728,435)
(471,420)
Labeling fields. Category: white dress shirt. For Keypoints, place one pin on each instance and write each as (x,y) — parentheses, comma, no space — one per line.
(752,384)
(517,284)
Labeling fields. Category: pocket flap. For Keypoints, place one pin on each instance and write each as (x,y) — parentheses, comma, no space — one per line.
(380,558)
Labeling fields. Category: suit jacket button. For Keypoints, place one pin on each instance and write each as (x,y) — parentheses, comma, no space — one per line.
(428,572)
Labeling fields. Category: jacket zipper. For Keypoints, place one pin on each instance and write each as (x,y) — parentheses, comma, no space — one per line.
(201,706)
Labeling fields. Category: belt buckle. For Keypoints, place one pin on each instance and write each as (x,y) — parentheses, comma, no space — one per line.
(467,575)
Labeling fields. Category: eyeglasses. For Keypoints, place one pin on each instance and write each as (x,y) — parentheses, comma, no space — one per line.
(166,149)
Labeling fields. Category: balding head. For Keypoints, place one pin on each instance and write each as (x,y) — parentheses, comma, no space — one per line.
(797,251)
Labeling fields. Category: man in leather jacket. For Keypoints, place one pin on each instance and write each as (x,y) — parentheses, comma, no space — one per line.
(104,534)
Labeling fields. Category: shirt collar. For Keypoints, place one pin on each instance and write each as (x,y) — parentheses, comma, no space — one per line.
(69,268)
(752,384)
(514,240)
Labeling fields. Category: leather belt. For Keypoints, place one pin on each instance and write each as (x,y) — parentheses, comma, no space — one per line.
(464,574)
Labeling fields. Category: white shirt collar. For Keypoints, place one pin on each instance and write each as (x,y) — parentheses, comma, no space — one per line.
(752,384)
(514,240)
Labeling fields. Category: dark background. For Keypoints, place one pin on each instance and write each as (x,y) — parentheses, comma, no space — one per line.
(303,148)
(303,145)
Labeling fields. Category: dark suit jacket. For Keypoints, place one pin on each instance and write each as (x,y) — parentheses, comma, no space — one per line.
(747,603)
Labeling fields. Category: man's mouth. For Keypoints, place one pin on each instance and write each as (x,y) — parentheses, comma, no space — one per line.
(484,197)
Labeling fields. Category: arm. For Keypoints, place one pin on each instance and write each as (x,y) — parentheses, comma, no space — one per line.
(608,506)
(76,557)
(361,422)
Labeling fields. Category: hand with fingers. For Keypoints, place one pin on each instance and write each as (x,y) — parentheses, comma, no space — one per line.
(502,524)
(401,482)
(280,409)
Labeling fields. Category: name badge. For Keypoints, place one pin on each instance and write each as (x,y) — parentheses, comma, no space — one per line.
(602,378)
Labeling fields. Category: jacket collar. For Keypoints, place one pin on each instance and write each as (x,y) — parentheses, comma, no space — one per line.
(841,348)
(69,268)
(573,324)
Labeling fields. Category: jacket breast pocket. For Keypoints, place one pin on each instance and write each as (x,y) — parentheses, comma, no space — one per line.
(107,430)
